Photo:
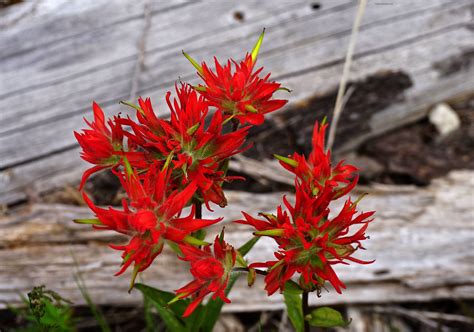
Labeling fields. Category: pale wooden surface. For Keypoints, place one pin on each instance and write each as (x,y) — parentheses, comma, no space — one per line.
(422,240)
(58,56)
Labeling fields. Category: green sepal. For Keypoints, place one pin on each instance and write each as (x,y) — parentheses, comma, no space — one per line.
(128,167)
(175,247)
(193,62)
(270,232)
(168,160)
(286,160)
(256,48)
(326,317)
(134,276)
(193,129)
(199,88)
(194,241)
(88,221)
(136,107)
(282,88)
(251,109)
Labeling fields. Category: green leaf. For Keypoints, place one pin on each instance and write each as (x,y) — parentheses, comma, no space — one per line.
(244,250)
(213,307)
(294,308)
(160,299)
(292,287)
(326,317)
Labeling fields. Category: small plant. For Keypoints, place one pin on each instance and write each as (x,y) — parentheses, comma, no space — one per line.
(165,165)
(45,310)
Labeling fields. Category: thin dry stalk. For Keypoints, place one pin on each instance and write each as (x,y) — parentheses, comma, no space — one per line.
(345,75)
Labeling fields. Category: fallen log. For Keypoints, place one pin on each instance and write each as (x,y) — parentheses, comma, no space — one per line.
(422,241)
(88,51)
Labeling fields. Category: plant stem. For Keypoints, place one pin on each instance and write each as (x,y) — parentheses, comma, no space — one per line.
(198,212)
(246,269)
(305,310)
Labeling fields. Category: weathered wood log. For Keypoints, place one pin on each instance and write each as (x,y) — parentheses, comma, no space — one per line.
(88,51)
(422,241)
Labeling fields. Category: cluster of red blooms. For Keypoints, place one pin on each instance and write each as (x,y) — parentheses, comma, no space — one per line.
(165,165)
(309,240)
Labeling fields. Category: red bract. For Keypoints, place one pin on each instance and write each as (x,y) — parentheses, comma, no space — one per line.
(317,173)
(101,143)
(239,92)
(149,217)
(197,152)
(309,241)
(210,271)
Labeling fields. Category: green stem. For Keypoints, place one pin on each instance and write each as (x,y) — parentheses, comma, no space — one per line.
(305,310)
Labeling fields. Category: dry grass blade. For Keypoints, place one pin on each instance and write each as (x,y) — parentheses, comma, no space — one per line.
(345,75)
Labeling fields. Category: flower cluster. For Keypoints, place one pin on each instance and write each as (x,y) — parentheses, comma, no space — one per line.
(166,165)
(310,240)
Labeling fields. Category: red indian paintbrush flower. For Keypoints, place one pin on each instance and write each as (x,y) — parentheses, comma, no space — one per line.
(150,217)
(317,173)
(240,92)
(309,241)
(197,152)
(102,145)
(211,272)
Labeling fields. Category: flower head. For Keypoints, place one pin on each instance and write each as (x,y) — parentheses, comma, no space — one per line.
(149,217)
(211,272)
(309,241)
(196,151)
(238,90)
(317,173)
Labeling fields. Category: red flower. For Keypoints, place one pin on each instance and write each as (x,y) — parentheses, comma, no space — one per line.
(150,217)
(102,145)
(240,92)
(317,173)
(197,152)
(211,272)
(309,241)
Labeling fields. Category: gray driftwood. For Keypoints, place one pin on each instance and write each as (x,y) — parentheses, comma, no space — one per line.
(56,59)
(422,240)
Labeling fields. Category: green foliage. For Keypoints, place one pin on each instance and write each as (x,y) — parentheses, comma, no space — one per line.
(326,317)
(46,311)
(248,245)
(171,310)
(169,313)
(294,307)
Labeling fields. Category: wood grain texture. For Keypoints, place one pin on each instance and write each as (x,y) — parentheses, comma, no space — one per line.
(422,241)
(55,63)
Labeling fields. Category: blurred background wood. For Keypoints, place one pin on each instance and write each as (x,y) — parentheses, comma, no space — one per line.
(58,56)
